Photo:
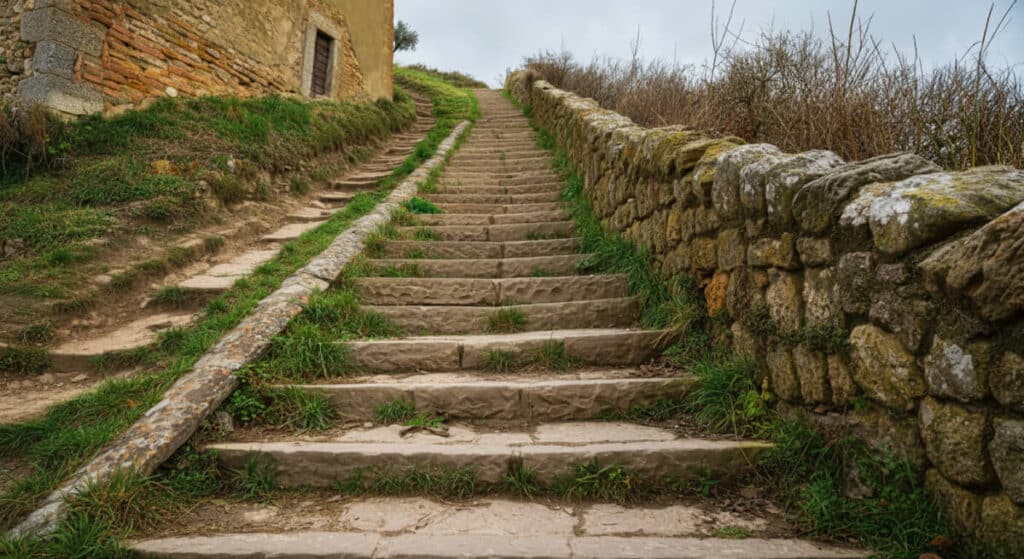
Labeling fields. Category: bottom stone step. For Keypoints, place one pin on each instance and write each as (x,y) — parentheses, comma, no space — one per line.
(369,545)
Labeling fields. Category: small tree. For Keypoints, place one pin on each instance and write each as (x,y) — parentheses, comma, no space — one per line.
(405,37)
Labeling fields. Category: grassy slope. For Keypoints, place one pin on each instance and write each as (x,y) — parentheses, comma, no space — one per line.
(159,171)
(71,432)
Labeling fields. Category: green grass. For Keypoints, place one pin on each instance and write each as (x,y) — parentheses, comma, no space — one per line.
(256,479)
(551,355)
(395,411)
(425,421)
(37,333)
(499,360)
(458,483)
(506,321)
(426,234)
(23,360)
(73,431)
(171,295)
(732,533)
(520,479)
(726,399)
(418,205)
(591,481)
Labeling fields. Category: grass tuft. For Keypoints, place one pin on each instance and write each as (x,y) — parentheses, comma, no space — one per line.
(418,205)
(506,321)
(256,479)
(395,411)
(499,360)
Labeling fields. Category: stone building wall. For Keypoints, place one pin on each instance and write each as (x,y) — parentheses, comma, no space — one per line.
(104,55)
(13,52)
(884,295)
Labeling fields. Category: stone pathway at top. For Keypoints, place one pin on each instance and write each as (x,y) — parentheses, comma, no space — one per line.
(506,249)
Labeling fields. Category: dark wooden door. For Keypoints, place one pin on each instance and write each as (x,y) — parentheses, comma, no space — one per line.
(321,63)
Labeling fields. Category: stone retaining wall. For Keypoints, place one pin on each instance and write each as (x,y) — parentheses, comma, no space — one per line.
(13,52)
(102,55)
(155,436)
(884,295)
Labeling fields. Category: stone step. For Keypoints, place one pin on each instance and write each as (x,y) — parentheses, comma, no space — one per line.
(496,199)
(556,265)
(486,219)
(475,291)
(496,209)
(309,214)
(499,233)
(470,151)
(224,275)
(550,449)
(492,188)
(499,165)
(600,346)
(290,232)
(370,545)
(480,396)
(413,250)
(620,312)
(338,196)
(81,355)
(473,160)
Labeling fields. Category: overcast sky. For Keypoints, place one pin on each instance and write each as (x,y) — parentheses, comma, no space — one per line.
(484,37)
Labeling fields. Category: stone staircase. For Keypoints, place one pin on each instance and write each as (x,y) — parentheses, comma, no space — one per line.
(520,354)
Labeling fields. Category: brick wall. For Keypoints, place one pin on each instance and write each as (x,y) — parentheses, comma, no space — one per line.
(886,283)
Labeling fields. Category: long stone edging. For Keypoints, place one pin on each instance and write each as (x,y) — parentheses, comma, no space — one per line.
(155,436)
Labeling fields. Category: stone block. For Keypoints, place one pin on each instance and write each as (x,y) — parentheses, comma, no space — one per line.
(784,300)
(54,24)
(821,300)
(54,58)
(1007,452)
(744,342)
(958,372)
(752,186)
(840,381)
(884,369)
(814,251)
(773,252)
(782,374)
(725,192)
(715,293)
(1002,522)
(816,204)
(907,318)
(786,177)
(812,371)
(731,250)
(854,275)
(704,255)
(954,437)
(61,94)
(919,210)
(1007,381)
(986,266)
(963,507)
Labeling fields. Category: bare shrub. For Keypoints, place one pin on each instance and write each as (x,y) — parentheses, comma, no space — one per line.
(29,136)
(799,91)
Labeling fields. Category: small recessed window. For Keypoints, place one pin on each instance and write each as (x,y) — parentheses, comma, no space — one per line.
(321,64)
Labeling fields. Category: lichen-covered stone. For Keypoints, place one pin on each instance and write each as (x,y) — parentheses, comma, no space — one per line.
(786,177)
(782,375)
(954,437)
(815,205)
(744,343)
(704,254)
(884,369)
(821,300)
(1007,381)
(1007,452)
(778,252)
(784,300)
(840,381)
(752,186)
(854,275)
(987,266)
(726,189)
(907,318)
(715,293)
(963,507)
(814,251)
(1002,522)
(958,372)
(812,371)
(909,213)
(731,250)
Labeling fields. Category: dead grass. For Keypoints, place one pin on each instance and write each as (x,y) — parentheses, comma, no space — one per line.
(844,92)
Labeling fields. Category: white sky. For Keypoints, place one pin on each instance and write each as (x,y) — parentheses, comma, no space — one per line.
(484,37)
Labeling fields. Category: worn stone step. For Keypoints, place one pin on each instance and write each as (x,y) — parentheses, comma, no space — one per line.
(491,188)
(452,319)
(486,160)
(500,165)
(224,275)
(556,265)
(500,233)
(477,291)
(290,232)
(485,219)
(550,449)
(499,208)
(81,355)
(334,197)
(413,250)
(309,214)
(599,346)
(481,397)
(496,199)
(408,527)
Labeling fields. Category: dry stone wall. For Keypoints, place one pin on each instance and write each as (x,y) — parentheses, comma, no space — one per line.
(884,295)
(14,53)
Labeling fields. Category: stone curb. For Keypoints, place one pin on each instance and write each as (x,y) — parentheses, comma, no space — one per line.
(171,422)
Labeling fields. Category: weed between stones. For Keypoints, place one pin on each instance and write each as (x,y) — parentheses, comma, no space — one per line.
(506,321)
